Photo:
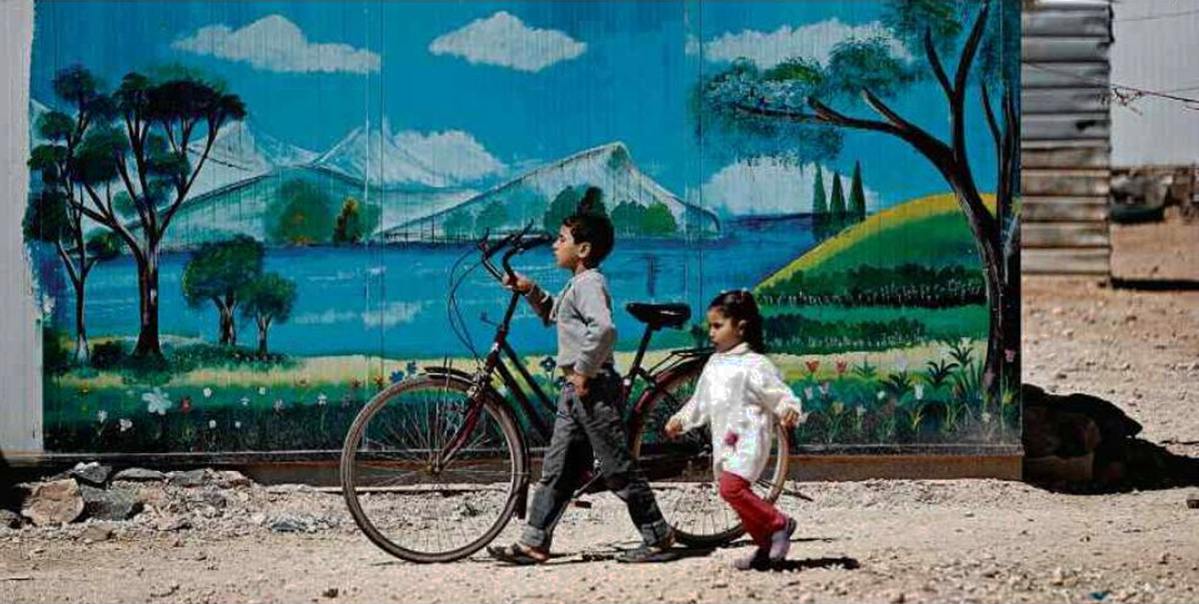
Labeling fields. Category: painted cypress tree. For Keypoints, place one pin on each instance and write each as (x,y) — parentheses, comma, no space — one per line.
(857,196)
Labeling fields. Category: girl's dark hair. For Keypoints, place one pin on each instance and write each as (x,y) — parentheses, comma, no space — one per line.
(740,306)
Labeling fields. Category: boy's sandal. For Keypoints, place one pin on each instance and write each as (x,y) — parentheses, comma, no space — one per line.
(514,554)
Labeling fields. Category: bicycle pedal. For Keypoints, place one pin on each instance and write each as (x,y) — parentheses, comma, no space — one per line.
(581,503)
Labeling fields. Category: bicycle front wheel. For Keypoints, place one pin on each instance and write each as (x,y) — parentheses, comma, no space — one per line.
(680,471)
(404,498)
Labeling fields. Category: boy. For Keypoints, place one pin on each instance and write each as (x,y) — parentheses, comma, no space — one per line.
(588,418)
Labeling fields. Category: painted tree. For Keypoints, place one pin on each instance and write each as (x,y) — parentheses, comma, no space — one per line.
(301,214)
(627,217)
(349,227)
(491,217)
(658,221)
(836,205)
(870,73)
(148,156)
(219,272)
(563,205)
(269,300)
(857,194)
(53,215)
(819,197)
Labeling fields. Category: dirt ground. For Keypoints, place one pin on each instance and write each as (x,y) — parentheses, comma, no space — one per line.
(872,541)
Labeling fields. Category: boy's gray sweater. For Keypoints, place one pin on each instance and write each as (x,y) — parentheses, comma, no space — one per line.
(583,312)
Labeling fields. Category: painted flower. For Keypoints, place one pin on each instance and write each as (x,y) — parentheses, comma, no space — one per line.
(548,364)
(84,390)
(411,367)
(355,383)
(245,401)
(125,424)
(986,417)
(397,376)
(208,393)
(379,381)
(48,305)
(212,424)
(321,399)
(842,366)
(808,392)
(901,364)
(185,404)
(101,416)
(303,382)
(812,366)
(157,401)
(919,388)
(262,391)
(881,395)
(237,425)
(278,404)
(860,410)
(837,407)
(824,389)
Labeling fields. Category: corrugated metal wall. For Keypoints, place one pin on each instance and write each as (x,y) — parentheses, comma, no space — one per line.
(20,344)
(1066,136)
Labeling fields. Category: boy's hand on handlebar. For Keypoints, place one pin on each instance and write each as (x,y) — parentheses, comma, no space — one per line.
(520,284)
(674,428)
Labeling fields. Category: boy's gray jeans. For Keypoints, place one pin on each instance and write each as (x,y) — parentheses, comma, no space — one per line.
(587,426)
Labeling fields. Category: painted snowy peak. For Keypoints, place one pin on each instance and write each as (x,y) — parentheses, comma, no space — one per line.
(529,197)
(410,159)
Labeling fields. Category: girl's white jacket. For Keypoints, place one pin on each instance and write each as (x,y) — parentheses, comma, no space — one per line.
(739,395)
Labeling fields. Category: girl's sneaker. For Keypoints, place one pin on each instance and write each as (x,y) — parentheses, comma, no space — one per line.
(780,541)
(759,560)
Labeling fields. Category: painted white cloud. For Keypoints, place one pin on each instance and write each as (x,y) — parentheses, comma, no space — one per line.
(766,185)
(503,39)
(274,43)
(454,153)
(813,41)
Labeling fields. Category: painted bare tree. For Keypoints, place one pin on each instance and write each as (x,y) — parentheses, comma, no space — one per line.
(147,157)
(803,93)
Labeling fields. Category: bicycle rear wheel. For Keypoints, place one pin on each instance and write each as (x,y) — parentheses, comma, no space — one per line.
(397,494)
(680,471)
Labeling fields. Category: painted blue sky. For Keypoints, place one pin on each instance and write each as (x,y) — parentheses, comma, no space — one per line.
(529,81)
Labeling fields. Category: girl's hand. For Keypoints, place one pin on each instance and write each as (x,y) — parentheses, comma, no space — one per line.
(674,428)
(790,418)
(521,284)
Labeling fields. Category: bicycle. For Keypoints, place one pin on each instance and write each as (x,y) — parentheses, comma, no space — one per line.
(434,467)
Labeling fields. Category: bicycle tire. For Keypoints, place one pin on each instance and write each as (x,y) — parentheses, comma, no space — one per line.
(353,480)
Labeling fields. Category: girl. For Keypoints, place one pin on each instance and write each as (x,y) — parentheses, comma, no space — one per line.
(738,396)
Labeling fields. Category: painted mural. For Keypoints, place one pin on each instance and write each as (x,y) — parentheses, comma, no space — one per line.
(243,218)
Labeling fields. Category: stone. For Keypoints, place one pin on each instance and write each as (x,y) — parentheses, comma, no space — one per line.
(229,479)
(91,473)
(140,475)
(330,593)
(10,519)
(56,502)
(190,478)
(96,532)
(113,504)
(1193,502)
(175,523)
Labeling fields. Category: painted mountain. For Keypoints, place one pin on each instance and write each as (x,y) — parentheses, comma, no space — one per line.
(637,204)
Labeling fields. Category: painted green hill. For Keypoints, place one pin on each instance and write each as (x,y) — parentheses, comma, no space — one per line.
(929,231)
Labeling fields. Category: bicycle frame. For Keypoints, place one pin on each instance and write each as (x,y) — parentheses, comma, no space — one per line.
(495,363)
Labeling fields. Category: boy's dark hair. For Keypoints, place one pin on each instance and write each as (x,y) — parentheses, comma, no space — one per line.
(740,306)
(589,225)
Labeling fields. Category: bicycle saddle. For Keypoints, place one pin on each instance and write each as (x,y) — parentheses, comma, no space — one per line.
(658,316)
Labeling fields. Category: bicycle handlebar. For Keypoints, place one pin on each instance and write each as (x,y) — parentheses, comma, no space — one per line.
(516,244)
